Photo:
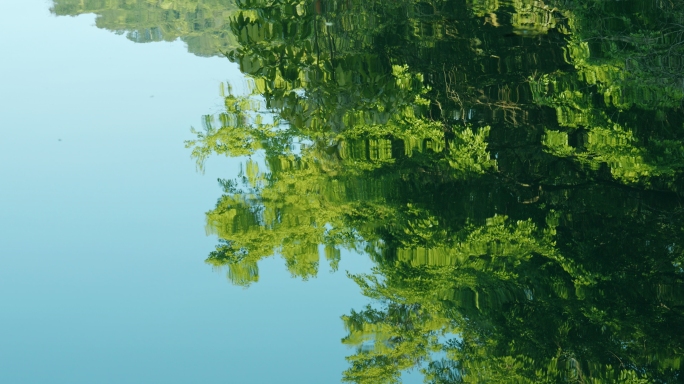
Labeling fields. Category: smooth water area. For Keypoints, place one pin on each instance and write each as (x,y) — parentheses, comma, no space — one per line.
(102,273)
(315,191)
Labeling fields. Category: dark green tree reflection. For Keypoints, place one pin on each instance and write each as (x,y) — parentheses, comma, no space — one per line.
(513,168)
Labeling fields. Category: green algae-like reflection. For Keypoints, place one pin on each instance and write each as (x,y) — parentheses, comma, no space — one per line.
(513,168)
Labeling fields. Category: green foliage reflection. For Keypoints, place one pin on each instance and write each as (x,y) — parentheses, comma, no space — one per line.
(202,24)
(513,168)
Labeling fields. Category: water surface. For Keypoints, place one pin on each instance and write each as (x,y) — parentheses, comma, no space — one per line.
(102,273)
(511,171)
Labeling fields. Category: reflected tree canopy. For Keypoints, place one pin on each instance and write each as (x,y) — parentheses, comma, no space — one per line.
(514,169)
(202,24)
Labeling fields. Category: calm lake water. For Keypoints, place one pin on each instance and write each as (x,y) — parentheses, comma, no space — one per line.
(259,191)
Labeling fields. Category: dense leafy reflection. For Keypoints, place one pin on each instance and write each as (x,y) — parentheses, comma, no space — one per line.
(514,169)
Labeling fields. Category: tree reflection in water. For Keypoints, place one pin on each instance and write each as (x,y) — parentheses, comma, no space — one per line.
(514,169)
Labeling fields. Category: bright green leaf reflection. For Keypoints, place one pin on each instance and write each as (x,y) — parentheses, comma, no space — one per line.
(514,172)
(514,169)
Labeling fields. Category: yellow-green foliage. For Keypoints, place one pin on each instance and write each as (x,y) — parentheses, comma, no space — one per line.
(619,150)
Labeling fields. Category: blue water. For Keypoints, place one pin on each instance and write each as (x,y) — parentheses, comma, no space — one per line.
(102,240)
